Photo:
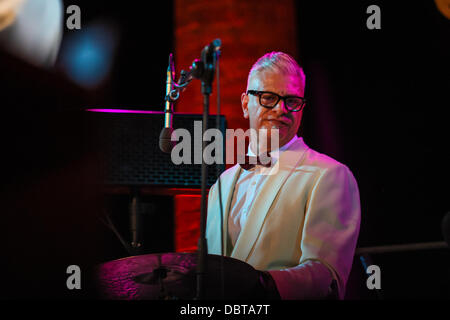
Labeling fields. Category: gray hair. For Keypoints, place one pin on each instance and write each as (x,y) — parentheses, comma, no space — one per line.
(278,61)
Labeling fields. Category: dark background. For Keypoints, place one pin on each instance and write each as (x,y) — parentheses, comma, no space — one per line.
(377,102)
(388,93)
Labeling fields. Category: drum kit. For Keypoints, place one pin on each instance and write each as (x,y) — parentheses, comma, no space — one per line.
(172,276)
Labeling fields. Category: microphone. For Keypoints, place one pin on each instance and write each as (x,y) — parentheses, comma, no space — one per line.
(165,142)
(446,228)
(201,69)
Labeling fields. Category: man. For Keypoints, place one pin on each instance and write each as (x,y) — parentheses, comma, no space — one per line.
(299,223)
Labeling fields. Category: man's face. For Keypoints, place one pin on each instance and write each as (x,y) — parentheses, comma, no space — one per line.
(278,117)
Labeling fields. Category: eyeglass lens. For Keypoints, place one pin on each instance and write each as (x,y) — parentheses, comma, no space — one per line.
(271,100)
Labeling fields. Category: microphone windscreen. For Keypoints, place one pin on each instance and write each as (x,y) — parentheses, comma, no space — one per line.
(165,142)
(446,228)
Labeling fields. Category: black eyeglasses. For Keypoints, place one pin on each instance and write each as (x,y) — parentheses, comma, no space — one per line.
(269,99)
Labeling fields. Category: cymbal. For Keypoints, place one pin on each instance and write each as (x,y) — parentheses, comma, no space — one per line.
(170,276)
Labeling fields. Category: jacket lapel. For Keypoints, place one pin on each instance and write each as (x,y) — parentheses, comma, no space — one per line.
(287,162)
(228,182)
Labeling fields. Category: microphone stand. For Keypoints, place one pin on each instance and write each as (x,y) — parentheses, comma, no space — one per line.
(202,243)
(209,59)
(204,70)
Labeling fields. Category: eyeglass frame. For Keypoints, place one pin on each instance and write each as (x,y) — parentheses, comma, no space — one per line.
(260,93)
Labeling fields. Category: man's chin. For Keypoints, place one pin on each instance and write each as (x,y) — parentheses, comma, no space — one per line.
(277,135)
(281,130)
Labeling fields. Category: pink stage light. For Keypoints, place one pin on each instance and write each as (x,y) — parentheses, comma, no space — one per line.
(124,111)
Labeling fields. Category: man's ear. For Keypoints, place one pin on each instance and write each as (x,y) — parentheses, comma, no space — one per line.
(244,104)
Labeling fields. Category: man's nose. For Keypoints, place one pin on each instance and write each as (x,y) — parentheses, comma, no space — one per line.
(281,107)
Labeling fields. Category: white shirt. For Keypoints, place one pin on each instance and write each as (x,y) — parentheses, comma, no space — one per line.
(247,186)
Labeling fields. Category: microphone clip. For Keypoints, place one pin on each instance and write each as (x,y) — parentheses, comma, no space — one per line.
(202,69)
